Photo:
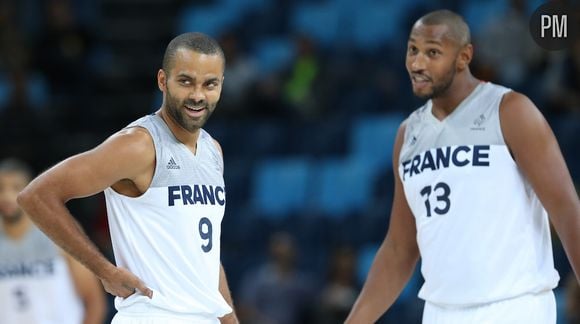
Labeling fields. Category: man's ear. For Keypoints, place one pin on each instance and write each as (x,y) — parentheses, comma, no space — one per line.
(464,57)
(162,80)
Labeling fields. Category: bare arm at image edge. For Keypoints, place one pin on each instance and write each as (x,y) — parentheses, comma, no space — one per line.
(536,152)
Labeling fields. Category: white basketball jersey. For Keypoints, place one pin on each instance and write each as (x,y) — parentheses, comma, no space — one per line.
(170,236)
(481,230)
(35,282)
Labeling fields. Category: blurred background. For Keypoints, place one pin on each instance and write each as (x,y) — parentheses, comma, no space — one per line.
(314,92)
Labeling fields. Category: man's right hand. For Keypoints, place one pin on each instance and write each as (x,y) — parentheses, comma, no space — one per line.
(122,283)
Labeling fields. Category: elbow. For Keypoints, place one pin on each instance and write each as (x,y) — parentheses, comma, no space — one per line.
(29,198)
(29,201)
(25,198)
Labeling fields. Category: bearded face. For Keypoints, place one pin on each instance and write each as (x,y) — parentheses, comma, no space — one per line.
(192,87)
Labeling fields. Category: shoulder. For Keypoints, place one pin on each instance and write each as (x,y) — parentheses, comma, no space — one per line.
(520,119)
(514,98)
(517,109)
(129,151)
(488,87)
(134,133)
(136,140)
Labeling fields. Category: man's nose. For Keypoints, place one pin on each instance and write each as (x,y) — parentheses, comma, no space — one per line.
(418,63)
(197,95)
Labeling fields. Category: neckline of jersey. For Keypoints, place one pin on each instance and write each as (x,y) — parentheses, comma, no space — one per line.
(181,144)
(459,107)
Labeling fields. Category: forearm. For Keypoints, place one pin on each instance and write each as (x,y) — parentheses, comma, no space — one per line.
(54,219)
(568,229)
(385,281)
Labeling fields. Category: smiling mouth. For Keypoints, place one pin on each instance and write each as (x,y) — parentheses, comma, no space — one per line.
(194,108)
(420,79)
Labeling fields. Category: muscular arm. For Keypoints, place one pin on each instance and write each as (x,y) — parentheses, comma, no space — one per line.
(125,156)
(89,290)
(538,155)
(395,261)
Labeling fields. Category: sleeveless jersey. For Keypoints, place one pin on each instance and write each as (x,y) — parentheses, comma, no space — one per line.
(482,232)
(170,235)
(35,282)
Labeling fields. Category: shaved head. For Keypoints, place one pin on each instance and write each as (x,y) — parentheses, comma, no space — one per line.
(196,42)
(458,31)
(438,52)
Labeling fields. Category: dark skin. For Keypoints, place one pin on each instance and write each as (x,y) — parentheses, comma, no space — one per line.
(438,65)
(126,163)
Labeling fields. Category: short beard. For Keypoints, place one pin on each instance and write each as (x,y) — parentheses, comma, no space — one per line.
(179,117)
(442,87)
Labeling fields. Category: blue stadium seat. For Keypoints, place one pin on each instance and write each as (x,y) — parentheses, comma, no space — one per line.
(377,24)
(274,54)
(373,138)
(37,88)
(321,21)
(281,186)
(479,13)
(348,6)
(213,20)
(243,7)
(341,187)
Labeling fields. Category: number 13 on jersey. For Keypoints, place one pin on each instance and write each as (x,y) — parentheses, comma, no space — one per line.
(441,193)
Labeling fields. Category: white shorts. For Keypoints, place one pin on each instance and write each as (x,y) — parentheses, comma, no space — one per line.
(527,309)
(121,318)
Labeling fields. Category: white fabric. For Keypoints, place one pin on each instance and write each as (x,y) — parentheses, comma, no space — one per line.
(482,233)
(150,315)
(35,283)
(170,235)
(527,309)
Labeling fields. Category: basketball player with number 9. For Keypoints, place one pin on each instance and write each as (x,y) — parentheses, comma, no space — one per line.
(162,177)
(479,174)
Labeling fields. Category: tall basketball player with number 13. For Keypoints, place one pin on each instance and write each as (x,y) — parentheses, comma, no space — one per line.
(478,172)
